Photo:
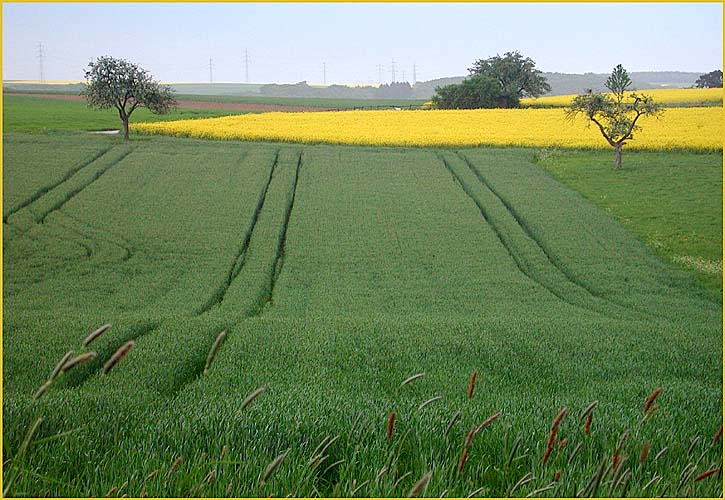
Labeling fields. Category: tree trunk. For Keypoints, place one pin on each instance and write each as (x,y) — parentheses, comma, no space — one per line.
(125,129)
(618,156)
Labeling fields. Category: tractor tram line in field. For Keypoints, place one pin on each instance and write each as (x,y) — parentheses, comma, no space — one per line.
(600,302)
(77,189)
(239,259)
(31,215)
(103,234)
(46,189)
(97,237)
(526,252)
(251,280)
(279,255)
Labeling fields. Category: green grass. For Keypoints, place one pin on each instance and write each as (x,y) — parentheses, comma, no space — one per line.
(672,200)
(338,272)
(37,114)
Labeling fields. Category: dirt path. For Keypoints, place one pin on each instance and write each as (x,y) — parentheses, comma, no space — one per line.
(195,104)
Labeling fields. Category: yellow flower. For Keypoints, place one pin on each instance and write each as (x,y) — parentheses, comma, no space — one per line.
(679,128)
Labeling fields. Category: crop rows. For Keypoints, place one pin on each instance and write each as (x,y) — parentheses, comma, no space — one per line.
(337,273)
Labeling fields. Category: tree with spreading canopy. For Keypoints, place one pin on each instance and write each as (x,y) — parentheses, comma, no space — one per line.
(120,84)
(616,114)
(516,75)
(472,93)
(496,82)
(711,80)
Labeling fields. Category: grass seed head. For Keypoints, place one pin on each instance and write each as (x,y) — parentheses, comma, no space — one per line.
(574,453)
(525,479)
(589,409)
(557,475)
(651,399)
(59,367)
(82,358)
(717,435)
(97,333)
(254,395)
(475,492)
(431,400)
(555,425)
(661,452)
(175,465)
(645,451)
(693,444)
(462,461)
(452,422)
(588,424)
(707,474)
(651,482)
(466,448)
(214,349)
(488,421)
(547,454)
(420,486)
(552,434)
(273,466)
(472,383)
(412,378)
(391,426)
(620,445)
(118,356)
(42,390)
(470,436)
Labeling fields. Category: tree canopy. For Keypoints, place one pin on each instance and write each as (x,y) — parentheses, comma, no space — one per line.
(120,84)
(496,82)
(710,80)
(474,92)
(516,75)
(616,114)
(619,81)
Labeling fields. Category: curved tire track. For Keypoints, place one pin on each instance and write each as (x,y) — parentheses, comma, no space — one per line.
(586,302)
(46,189)
(551,258)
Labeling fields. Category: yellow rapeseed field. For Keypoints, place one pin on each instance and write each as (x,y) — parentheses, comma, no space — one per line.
(667,97)
(679,128)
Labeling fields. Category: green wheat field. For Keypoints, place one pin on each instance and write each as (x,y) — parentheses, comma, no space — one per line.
(518,284)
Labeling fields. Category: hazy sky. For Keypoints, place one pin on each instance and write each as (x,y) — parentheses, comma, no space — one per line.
(290,42)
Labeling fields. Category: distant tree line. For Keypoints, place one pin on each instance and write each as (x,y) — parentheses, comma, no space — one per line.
(496,82)
(395,90)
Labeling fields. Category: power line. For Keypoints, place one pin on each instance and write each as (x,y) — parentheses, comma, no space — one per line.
(403,78)
(380,74)
(393,72)
(40,60)
(415,79)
